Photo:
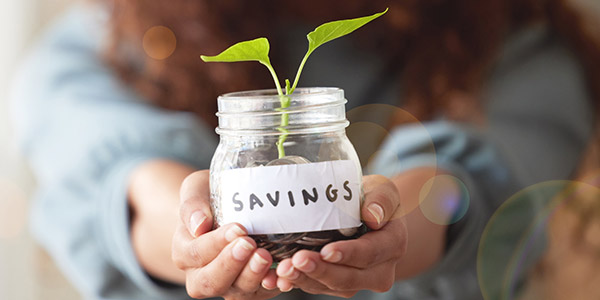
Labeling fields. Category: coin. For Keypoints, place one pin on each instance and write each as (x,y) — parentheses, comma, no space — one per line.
(289,160)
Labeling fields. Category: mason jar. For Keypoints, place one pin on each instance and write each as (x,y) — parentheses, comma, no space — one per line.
(286,172)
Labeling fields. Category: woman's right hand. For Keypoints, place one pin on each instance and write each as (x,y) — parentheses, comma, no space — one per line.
(224,262)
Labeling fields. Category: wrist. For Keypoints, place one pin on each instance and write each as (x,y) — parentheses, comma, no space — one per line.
(153,196)
(426,239)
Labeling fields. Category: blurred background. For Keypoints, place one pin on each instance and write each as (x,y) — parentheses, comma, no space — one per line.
(26,272)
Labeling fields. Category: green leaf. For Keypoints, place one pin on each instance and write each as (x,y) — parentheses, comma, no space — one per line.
(328,32)
(333,30)
(253,50)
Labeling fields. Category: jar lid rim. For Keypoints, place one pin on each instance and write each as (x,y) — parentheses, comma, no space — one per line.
(279,112)
(266,93)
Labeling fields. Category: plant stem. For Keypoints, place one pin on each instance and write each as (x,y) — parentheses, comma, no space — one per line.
(285,103)
(285,119)
(282,138)
(299,71)
(277,84)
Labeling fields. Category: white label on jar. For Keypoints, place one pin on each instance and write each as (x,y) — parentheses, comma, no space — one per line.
(292,198)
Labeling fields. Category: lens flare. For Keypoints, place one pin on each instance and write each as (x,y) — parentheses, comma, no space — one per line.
(525,228)
(444,199)
(369,133)
(366,138)
(159,42)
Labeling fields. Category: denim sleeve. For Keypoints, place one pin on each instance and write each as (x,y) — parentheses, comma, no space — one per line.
(83,133)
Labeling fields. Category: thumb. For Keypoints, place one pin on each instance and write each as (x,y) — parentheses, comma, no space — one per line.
(381,200)
(194,211)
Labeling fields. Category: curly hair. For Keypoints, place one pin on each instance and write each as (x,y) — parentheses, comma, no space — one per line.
(446,47)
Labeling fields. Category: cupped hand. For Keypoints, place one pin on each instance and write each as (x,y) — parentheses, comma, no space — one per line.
(223,262)
(368,263)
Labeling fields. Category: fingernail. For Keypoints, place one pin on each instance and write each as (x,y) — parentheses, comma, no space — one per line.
(234,232)
(266,287)
(377,211)
(287,289)
(333,256)
(258,263)
(242,249)
(291,274)
(197,218)
(306,265)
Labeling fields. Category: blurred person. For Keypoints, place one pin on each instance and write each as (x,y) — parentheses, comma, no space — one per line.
(113,120)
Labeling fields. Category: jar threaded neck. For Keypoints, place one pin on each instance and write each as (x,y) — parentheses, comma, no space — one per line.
(260,112)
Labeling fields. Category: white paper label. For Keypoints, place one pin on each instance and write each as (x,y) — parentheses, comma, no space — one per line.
(292,198)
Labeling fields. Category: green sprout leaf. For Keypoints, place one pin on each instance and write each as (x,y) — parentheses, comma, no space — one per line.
(253,50)
(331,31)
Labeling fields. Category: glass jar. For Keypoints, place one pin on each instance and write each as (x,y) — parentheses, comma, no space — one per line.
(303,200)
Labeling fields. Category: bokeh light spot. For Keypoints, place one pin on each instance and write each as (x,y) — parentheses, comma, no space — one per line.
(159,42)
(371,125)
(444,199)
(366,138)
(369,132)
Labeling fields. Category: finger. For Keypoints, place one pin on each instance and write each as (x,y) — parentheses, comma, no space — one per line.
(198,252)
(217,277)
(265,294)
(195,210)
(340,278)
(372,248)
(284,285)
(253,273)
(286,272)
(381,200)
(270,280)
(311,286)
(289,276)
(304,283)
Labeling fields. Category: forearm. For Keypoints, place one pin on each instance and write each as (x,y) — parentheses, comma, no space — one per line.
(426,239)
(154,203)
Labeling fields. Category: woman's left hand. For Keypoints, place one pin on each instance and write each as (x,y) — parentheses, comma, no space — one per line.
(368,263)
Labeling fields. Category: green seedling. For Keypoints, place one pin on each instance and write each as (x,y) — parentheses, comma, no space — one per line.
(258,50)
